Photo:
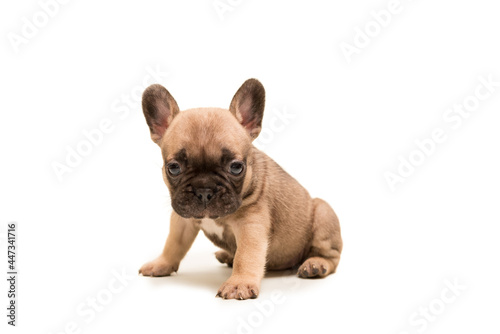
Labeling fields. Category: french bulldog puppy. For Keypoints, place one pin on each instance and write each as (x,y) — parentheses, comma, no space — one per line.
(244,202)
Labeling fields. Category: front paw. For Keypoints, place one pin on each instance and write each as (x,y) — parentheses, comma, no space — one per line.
(158,267)
(239,288)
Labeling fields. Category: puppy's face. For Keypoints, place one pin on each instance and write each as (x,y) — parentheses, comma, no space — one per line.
(205,162)
(205,151)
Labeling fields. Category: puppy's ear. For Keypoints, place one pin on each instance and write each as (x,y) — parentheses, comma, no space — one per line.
(248,106)
(159,108)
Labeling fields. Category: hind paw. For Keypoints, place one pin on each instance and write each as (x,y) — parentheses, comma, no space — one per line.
(314,267)
(224,257)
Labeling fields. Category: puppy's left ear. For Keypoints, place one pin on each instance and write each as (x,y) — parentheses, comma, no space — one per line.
(248,106)
(159,108)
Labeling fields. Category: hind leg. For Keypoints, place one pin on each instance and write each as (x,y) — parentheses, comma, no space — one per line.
(326,246)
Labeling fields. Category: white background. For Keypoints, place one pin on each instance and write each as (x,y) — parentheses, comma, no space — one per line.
(351,121)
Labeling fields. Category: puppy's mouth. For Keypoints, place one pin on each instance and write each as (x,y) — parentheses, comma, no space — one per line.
(206,213)
(192,208)
(205,216)
(190,211)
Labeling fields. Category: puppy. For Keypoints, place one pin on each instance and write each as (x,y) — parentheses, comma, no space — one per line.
(243,201)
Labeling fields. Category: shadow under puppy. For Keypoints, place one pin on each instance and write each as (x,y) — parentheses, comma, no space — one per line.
(244,202)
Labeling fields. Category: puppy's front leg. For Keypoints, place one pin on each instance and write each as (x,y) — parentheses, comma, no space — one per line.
(249,261)
(180,238)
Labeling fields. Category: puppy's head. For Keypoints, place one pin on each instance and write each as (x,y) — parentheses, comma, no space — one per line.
(207,165)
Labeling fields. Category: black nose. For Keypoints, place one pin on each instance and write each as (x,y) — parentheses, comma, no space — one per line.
(204,194)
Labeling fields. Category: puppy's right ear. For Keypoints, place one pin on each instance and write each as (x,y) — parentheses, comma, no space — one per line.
(159,108)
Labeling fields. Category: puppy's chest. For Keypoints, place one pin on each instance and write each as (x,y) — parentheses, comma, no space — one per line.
(211,228)
(220,234)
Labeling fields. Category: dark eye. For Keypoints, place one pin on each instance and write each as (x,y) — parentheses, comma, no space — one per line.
(236,168)
(174,168)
